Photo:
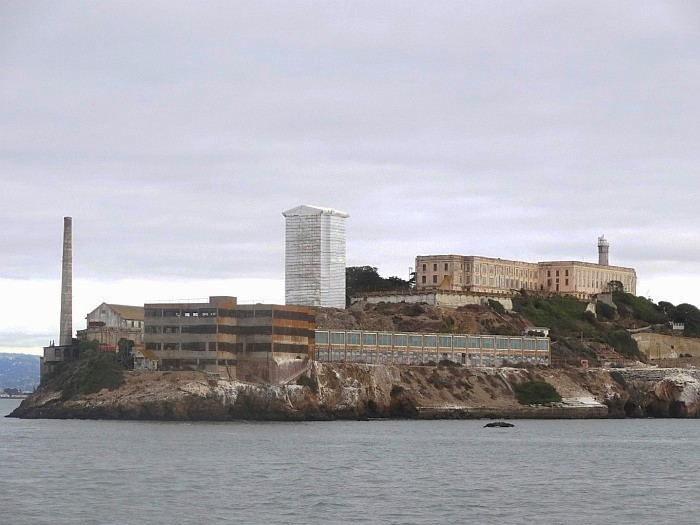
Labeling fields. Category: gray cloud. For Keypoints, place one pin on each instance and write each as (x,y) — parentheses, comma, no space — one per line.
(176,134)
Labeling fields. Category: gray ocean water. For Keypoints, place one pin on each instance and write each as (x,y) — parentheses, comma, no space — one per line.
(95,472)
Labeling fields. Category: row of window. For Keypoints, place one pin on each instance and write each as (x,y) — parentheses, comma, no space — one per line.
(371,339)
(238,313)
(231,330)
(201,346)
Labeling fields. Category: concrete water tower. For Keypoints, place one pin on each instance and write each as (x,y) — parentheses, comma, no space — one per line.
(603,248)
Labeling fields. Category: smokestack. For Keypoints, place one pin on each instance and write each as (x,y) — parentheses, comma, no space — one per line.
(66,333)
(603,247)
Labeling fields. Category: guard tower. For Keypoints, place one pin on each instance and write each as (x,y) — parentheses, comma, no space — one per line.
(603,248)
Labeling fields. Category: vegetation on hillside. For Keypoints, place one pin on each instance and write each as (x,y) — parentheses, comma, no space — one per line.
(571,324)
(93,371)
(536,393)
(639,307)
(89,374)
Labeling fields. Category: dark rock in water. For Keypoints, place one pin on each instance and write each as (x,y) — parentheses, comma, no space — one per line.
(498,424)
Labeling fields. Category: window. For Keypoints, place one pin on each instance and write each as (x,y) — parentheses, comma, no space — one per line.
(566,282)
(557,273)
(445,266)
(434,279)
(549,273)
(566,273)
(423,279)
(435,267)
(424,267)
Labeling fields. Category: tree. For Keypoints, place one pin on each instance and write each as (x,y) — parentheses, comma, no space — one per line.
(616,286)
(367,279)
(88,348)
(690,316)
(667,308)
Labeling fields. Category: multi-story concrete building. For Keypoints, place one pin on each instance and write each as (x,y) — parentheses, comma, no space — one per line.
(314,266)
(474,273)
(108,323)
(247,342)
(501,276)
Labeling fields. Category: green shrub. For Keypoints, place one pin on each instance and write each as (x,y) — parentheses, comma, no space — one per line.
(448,324)
(624,343)
(605,310)
(617,377)
(414,310)
(497,306)
(536,393)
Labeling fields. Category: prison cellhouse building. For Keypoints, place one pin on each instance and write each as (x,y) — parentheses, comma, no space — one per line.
(471,273)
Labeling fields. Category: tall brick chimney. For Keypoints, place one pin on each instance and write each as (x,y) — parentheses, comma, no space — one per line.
(66,333)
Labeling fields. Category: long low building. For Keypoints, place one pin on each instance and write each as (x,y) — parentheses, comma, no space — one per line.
(471,273)
(416,348)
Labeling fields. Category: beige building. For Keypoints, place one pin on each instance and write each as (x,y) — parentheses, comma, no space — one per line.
(108,323)
(489,275)
(474,274)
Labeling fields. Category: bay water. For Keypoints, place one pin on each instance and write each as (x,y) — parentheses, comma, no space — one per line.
(403,472)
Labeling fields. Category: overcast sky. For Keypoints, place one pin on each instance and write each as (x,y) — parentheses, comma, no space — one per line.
(175,134)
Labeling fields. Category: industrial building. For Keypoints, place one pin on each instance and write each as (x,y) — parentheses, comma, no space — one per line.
(489,275)
(314,265)
(108,323)
(258,342)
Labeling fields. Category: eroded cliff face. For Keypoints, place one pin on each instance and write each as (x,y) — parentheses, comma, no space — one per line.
(663,393)
(339,391)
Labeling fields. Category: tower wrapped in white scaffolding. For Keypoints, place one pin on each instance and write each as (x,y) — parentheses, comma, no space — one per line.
(314,262)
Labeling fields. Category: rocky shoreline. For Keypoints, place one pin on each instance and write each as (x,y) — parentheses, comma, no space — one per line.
(359,391)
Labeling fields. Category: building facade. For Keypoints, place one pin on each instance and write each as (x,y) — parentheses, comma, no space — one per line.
(474,274)
(247,342)
(314,265)
(489,275)
(108,323)
(420,349)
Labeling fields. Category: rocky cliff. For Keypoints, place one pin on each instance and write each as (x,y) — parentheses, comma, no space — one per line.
(351,391)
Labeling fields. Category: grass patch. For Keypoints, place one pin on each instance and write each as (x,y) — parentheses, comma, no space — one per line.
(560,314)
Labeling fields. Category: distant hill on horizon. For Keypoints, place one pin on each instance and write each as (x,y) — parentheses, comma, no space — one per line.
(20,371)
